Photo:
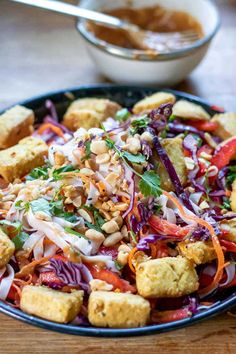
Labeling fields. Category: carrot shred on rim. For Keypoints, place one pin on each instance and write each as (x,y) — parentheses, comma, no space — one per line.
(216,244)
(58,131)
(131,256)
(18,290)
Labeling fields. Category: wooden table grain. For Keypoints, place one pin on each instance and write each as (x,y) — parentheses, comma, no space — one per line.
(41,52)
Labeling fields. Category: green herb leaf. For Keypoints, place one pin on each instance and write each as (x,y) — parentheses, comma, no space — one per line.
(171,118)
(139,123)
(40,204)
(226,204)
(122,115)
(38,172)
(139,158)
(70,217)
(56,207)
(118,265)
(98,218)
(231,175)
(87,145)
(16,224)
(92,226)
(57,174)
(150,184)
(22,205)
(110,143)
(19,240)
(73,232)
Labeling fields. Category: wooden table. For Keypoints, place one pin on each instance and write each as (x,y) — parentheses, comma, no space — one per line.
(40,52)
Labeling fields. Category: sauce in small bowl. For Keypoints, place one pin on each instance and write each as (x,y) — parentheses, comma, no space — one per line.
(155,19)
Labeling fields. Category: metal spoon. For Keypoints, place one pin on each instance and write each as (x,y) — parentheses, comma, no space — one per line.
(161,42)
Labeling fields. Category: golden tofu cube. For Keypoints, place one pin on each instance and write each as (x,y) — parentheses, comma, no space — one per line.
(230,227)
(199,252)
(51,304)
(89,113)
(154,101)
(117,310)
(189,110)
(18,160)
(166,277)
(7,249)
(15,124)
(226,125)
(175,152)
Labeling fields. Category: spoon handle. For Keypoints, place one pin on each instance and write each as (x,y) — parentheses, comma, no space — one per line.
(73,10)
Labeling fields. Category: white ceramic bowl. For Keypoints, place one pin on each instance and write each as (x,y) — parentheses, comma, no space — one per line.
(165,69)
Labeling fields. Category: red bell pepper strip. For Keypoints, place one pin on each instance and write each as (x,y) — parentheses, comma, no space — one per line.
(205,148)
(111,278)
(224,154)
(167,228)
(203,125)
(230,246)
(171,315)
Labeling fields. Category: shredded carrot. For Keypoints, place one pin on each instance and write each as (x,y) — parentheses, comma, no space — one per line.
(153,250)
(29,268)
(52,127)
(18,289)
(228,193)
(131,256)
(216,244)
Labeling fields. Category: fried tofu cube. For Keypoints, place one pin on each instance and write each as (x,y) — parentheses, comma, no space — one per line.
(233,196)
(18,160)
(15,124)
(175,152)
(166,277)
(229,226)
(117,310)
(7,249)
(89,113)
(51,304)
(199,252)
(152,102)
(226,125)
(189,110)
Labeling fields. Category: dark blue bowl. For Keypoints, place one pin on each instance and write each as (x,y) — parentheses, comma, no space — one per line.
(127,96)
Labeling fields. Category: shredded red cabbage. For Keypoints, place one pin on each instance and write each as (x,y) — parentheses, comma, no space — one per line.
(81,320)
(52,109)
(177,127)
(143,244)
(72,273)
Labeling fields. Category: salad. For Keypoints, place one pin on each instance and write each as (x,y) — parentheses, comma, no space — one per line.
(117,216)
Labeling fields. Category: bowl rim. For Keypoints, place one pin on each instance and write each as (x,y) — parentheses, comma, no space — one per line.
(141,55)
(36,103)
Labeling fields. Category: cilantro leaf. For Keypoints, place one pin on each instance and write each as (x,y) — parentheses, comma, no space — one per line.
(56,207)
(226,204)
(150,184)
(38,172)
(110,143)
(118,265)
(122,115)
(139,158)
(22,205)
(231,175)
(73,232)
(57,173)
(19,240)
(16,224)
(139,123)
(98,218)
(92,226)
(88,152)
